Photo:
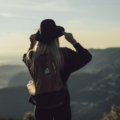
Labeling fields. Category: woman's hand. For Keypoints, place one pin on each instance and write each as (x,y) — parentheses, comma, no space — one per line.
(32,40)
(69,37)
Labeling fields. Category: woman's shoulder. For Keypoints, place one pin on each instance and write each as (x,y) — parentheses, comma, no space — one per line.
(67,50)
(64,49)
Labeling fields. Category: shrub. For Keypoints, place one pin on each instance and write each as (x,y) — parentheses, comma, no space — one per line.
(29,116)
(113,115)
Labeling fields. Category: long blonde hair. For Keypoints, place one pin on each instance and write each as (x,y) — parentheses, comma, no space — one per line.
(42,48)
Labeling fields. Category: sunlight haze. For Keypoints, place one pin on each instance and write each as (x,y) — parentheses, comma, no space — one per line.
(94,23)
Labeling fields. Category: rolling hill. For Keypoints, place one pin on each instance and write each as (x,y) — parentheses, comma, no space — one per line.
(93,89)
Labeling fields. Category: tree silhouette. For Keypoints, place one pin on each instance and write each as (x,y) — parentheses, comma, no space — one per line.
(29,116)
(113,115)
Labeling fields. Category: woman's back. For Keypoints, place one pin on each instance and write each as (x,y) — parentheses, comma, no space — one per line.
(66,61)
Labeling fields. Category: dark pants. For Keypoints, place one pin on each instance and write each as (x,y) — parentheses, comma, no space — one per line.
(60,113)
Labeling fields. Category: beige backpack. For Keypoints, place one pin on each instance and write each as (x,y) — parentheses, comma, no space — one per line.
(50,91)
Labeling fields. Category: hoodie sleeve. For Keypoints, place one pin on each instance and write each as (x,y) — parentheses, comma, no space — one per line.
(79,58)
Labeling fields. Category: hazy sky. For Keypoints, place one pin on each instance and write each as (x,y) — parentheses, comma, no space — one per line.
(94,23)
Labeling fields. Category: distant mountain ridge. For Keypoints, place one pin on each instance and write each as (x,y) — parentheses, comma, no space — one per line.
(100,58)
(86,89)
(90,85)
(14,102)
(103,58)
(20,79)
(9,71)
(96,111)
(87,101)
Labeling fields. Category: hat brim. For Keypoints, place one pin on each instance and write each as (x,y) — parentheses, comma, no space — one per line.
(48,39)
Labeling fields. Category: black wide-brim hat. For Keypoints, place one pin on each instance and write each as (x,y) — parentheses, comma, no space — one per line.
(49,31)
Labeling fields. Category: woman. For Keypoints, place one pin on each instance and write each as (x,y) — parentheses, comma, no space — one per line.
(66,60)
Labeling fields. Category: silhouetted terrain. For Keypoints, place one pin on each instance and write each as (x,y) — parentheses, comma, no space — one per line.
(86,89)
(14,102)
(20,79)
(103,58)
(95,111)
(93,89)
(9,71)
